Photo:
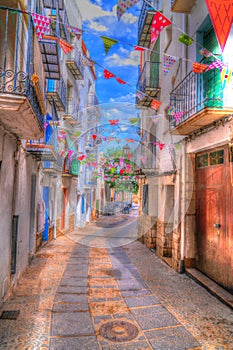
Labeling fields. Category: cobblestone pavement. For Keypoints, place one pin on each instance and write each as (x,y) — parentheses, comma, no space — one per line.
(81,297)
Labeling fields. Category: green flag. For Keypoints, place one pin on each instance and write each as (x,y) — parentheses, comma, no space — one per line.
(108,43)
(185,39)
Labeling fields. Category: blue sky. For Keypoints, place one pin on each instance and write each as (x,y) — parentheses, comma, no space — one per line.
(99,18)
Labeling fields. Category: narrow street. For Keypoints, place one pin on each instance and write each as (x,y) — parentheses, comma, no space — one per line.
(76,295)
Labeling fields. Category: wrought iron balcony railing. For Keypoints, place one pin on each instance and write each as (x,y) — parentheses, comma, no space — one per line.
(56,91)
(148,81)
(72,111)
(52,4)
(145,20)
(197,96)
(18,83)
(73,62)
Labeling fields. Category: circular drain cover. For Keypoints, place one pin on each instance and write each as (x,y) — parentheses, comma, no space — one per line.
(119,331)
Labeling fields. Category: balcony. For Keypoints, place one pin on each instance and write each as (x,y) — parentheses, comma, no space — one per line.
(20,110)
(93,105)
(52,4)
(56,93)
(70,168)
(144,23)
(199,100)
(73,62)
(53,168)
(44,149)
(72,109)
(182,6)
(148,83)
(50,55)
(60,24)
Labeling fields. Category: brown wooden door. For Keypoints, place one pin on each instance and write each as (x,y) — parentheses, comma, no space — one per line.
(214,216)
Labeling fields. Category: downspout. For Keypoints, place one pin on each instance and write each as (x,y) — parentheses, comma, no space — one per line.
(183,208)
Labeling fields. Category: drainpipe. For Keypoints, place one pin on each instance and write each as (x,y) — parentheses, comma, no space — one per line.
(183,208)
(55,211)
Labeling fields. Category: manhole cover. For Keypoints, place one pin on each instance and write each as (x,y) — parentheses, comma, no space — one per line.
(118,331)
(9,315)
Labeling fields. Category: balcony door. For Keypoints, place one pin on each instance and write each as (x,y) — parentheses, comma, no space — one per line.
(213,90)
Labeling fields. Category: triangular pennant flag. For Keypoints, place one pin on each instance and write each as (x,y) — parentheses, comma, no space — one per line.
(108,43)
(159,22)
(199,67)
(215,64)
(221,14)
(168,61)
(134,121)
(177,116)
(139,48)
(161,145)
(155,104)
(140,95)
(108,74)
(75,31)
(87,61)
(226,75)
(206,53)
(42,24)
(113,121)
(124,5)
(66,47)
(120,81)
(185,39)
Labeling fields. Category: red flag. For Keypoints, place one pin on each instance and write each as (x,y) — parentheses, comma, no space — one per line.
(66,47)
(158,23)
(108,74)
(221,14)
(113,121)
(199,67)
(120,81)
(139,48)
(94,136)
(155,104)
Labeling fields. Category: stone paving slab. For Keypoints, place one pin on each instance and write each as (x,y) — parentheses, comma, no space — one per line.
(135,345)
(141,301)
(135,293)
(72,324)
(72,289)
(71,343)
(72,298)
(70,307)
(177,338)
(152,321)
(74,281)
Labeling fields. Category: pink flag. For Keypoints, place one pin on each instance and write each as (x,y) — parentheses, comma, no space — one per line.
(42,25)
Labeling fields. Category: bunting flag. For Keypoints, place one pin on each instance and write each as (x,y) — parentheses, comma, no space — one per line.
(86,61)
(124,5)
(120,81)
(113,121)
(108,43)
(177,116)
(159,22)
(139,48)
(75,31)
(168,61)
(94,136)
(66,47)
(199,67)
(140,95)
(129,140)
(81,157)
(42,25)
(185,39)
(221,14)
(108,74)
(204,52)
(215,64)
(155,104)
(121,161)
(134,121)
(226,75)
(160,145)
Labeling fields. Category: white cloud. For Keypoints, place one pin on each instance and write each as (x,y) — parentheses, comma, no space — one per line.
(123,50)
(98,27)
(91,11)
(116,60)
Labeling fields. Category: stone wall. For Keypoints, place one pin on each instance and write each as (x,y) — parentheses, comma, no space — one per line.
(147,230)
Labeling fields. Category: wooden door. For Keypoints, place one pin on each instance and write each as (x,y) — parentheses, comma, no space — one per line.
(214,216)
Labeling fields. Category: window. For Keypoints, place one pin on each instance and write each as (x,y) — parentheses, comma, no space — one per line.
(145,199)
(210,159)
